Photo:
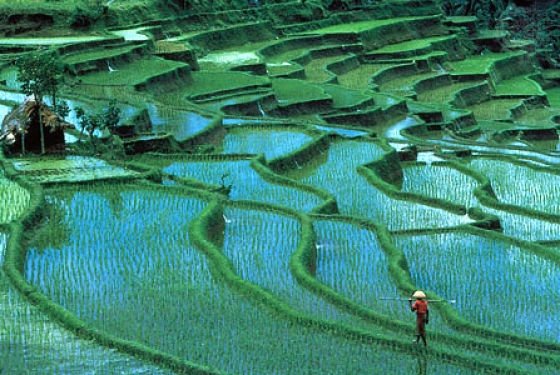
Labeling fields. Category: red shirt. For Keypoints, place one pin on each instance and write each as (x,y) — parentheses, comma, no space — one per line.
(420,306)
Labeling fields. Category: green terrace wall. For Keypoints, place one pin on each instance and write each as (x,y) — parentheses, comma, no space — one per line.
(386,174)
(209,135)
(345,65)
(302,155)
(402,31)
(472,95)
(13,266)
(233,35)
(100,63)
(487,197)
(202,233)
(251,108)
(512,66)
(387,74)
(432,83)
(329,205)
(399,270)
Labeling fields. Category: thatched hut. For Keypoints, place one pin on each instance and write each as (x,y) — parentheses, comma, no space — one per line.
(21,127)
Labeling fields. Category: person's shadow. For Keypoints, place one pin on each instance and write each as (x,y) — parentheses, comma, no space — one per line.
(422,368)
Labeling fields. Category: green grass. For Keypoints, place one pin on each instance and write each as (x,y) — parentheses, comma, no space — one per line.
(539,117)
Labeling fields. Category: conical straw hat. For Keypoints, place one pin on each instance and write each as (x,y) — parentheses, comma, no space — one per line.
(419,294)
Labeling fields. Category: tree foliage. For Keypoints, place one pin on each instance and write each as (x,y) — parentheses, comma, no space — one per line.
(107,119)
(524,19)
(40,74)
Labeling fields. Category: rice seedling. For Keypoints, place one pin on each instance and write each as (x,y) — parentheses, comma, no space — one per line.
(206,84)
(30,343)
(360,26)
(521,185)
(246,183)
(518,296)
(539,117)
(413,45)
(351,261)
(272,142)
(135,72)
(405,82)
(14,200)
(440,181)
(147,283)
(519,85)
(260,244)
(479,64)
(525,227)
(359,78)
(316,69)
(494,109)
(70,169)
(444,94)
(553,95)
(292,91)
(97,54)
(355,196)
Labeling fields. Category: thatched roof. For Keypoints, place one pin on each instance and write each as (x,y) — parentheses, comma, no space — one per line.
(25,115)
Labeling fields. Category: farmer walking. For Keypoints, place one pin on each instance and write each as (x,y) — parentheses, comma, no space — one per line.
(420,306)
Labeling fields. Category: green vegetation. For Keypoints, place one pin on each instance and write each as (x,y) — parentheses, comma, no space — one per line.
(262,178)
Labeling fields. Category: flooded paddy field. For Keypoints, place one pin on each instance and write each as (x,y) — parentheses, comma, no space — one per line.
(260,189)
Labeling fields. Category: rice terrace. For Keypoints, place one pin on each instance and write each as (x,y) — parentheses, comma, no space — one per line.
(260,186)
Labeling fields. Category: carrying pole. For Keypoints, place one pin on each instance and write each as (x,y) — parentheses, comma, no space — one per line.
(411,299)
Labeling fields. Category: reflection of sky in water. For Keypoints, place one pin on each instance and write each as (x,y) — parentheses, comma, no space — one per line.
(394,131)
(525,274)
(4,110)
(11,96)
(246,183)
(132,34)
(270,142)
(347,133)
(10,76)
(180,124)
